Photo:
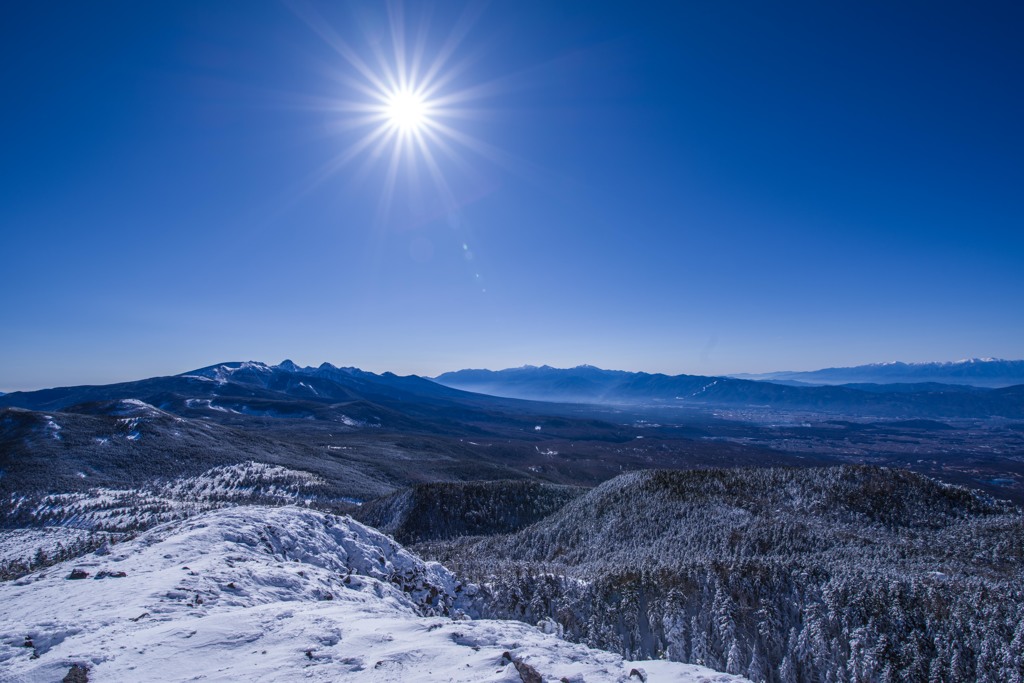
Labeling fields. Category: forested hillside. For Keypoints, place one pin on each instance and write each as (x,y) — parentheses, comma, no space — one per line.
(827,574)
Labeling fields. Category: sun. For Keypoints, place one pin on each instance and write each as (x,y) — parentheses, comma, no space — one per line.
(403,105)
(407,111)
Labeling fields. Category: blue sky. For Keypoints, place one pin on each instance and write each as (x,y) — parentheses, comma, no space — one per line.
(677,187)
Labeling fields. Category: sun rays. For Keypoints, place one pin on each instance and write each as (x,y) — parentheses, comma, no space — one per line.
(400,102)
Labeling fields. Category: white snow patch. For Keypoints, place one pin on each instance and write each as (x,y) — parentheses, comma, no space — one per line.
(53,427)
(703,388)
(208,403)
(133,406)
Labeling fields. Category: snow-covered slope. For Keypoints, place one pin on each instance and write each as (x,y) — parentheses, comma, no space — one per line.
(276,594)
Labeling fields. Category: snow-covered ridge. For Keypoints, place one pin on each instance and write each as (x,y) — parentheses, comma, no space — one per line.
(275,594)
(161,501)
(225,371)
(68,519)
(136,408)
(936,364)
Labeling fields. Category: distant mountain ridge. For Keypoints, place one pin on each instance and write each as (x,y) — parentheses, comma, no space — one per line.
(588,384)
(977,372)
(357,397)
(238,385)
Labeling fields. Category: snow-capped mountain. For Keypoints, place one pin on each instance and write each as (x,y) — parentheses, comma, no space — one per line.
(977,372)
(247,386)
(276,594)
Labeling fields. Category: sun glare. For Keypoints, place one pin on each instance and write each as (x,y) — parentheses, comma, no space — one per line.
(399,105)
(406,110)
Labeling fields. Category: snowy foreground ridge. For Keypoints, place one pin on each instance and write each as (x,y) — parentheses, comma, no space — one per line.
(278,594)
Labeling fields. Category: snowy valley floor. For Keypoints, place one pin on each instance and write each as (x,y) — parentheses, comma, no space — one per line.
(278,594)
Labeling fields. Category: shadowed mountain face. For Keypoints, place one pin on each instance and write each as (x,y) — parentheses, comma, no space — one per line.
(587,384)
(977,372)
(429,512)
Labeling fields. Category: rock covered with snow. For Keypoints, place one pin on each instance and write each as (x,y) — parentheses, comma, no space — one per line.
(270,594)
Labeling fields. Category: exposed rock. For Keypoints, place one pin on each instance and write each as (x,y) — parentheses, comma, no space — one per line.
(527,672)
(78,673)
(111,575)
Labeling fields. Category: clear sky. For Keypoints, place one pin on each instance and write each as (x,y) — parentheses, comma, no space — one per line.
(694,187)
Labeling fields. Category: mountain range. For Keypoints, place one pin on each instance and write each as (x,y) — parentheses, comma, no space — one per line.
(239,383)
(977,372)
(317,393)
(365,434)
(589,384)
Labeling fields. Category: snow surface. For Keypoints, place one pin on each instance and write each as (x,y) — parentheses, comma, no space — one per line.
(277,594)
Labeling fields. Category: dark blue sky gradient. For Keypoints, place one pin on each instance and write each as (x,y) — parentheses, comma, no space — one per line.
(677,187)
